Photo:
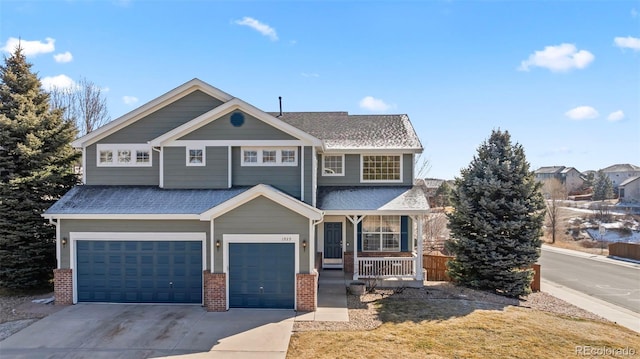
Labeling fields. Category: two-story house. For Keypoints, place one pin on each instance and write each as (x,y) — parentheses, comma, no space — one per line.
(620,173)
(570,178)
(199,197)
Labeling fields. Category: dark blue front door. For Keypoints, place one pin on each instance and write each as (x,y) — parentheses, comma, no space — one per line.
(332,240)
(139,271)
(261,275)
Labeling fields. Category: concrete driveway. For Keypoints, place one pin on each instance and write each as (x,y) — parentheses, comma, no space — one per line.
(153,331)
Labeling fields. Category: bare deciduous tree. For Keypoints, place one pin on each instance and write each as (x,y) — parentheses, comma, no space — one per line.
(554,192)
(83,104)
(435,232)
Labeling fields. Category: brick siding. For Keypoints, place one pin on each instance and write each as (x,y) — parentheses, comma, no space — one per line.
(306,292)
(215,291)
(63,286)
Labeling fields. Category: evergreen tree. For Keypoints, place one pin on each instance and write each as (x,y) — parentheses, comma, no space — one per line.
(497,220)
(443,194)
(602,187)
(36,168)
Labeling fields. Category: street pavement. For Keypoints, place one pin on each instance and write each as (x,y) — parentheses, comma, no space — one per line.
(604,286)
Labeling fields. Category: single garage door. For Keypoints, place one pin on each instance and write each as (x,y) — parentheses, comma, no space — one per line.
(261,275)
(139,271)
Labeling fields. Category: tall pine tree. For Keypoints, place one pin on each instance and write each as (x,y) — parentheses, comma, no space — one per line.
(602,187)
(497,220)
(36,168)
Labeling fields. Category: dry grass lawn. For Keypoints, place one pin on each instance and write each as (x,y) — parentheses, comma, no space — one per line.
(463,329)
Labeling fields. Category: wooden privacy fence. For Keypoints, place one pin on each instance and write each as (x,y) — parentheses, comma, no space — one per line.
(625,250)
(436,267)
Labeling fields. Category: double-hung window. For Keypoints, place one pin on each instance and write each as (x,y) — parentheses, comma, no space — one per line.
(333,165)
(381,234)
(195,156)
(381,168)
(269,156)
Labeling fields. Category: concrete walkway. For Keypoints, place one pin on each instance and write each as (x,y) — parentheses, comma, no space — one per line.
(332,299)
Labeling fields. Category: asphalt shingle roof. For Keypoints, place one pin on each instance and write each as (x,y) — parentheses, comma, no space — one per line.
(369,198)
(339,130)
(140,200)
(621,167)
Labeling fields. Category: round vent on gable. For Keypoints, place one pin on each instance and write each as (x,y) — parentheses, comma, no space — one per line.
(237,119)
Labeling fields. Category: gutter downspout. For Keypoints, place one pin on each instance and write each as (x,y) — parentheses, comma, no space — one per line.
(58,249)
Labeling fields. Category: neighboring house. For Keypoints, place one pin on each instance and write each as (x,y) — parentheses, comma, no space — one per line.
(629,190)
(569,177)
(199,197)
(619,173)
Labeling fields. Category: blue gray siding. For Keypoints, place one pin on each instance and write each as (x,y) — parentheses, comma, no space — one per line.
(262,216)
(251,129)
(284,178)
(95,225)
(178,175)
(308,175)
(165,119)
(352,173)
(130,176)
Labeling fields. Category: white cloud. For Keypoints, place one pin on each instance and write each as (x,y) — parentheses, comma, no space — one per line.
(262,28)
(57,82)
(374,104)
(582,113)
(634,13)
(30,48)
(63,57)
(310,74)
(627,43)
(129,100)
(616,116)
(563,57)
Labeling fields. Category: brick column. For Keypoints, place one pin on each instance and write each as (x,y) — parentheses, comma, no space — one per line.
(215,291)
(348,262)
(63,286)
(306,292)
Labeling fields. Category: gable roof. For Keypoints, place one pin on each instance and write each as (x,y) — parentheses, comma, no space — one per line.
(231,105)
(549,169)
(268,192)
(341,131)
(150,107)
(629,180)
(621,167)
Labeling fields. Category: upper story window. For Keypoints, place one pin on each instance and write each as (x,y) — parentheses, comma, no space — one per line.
(381,233)
(269,156)
(381,168)
(333,165)
(123,155)
(195,156)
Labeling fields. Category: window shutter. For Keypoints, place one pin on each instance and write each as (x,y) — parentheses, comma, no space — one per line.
(359,239)
(404,234)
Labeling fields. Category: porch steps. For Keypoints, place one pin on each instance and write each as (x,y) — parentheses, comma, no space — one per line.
(332,299)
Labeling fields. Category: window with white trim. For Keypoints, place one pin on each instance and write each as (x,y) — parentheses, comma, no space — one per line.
(123,155)
(381,234)
(269,156)
(333,165)
(195,156)
(381,168)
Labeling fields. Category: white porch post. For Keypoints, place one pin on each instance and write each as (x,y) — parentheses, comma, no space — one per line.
(419,250)
(355,220)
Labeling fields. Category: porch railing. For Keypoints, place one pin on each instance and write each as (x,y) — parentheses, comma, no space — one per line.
(386,267)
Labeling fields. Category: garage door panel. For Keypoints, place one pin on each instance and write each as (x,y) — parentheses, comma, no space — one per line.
(261,275)
(139,271)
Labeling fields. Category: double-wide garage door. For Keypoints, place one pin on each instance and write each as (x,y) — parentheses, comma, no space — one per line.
(261,275)
(139,271)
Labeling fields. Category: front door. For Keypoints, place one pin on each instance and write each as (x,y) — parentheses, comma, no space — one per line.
(332,244)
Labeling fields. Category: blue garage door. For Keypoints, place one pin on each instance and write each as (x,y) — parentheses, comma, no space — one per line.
(261,275)
(139,271)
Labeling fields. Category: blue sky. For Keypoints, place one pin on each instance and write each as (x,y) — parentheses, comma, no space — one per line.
(563,77)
